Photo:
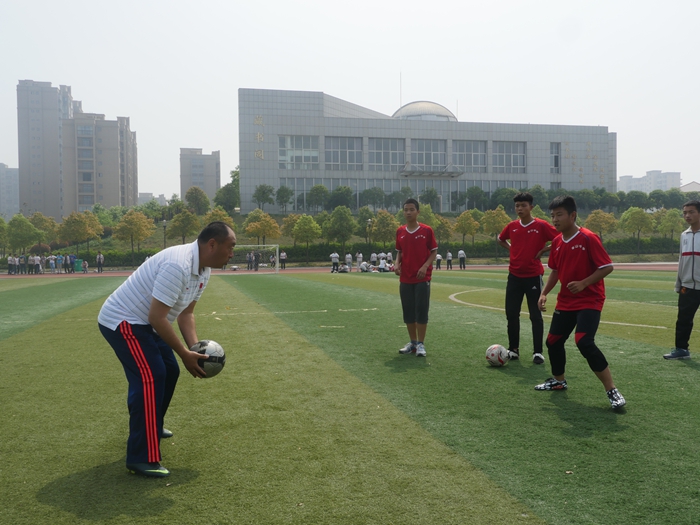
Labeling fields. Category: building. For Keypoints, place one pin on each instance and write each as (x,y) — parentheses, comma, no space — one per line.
(653,180)
(145,198)
(9,192)
(691,186)
(300,139)
(70,160)
(203,171)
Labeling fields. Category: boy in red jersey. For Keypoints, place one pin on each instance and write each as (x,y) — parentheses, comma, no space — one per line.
(528,238)
(417,248)
(579,261)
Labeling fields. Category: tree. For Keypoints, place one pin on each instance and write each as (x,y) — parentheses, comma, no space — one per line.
(284,197)
(539,195)
(183,224)
(494,221)
(363,215)
(3,235)
(265,227)
(372,197)
(466,225)
(95,229)
(102,215)
(317,197)
(197,200)
(610,201)
(503,197)
(672,222)
(229,195)
(45,224)
(384,227)
(636,220)
(658,199)
(601,223)
(675,198)
(134,227)
(458,200)
(341,225)
(637,199)
(219,214)
(152,210)
(587,199)
(394,200)
(443,229)
(21,233)
(288,224)
(540,213)
(264,194)
(341,196)
(430,196)
(306,230)
(476,196)
(75,228)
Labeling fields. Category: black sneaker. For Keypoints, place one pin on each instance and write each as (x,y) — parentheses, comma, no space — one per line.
(152,470)
(538,359)
(616,399)
(678,353)
(514,355)
(552,384)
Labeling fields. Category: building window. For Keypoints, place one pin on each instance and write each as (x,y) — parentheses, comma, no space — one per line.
(298,152)
(86,199)
(86,188)
(428,155)
(85,130)
(343,153)
(84,153)
(509,157)
(386,154)
(555,185)
(554,157)
(85,165)
(86,177)
(85,142)
(469,156)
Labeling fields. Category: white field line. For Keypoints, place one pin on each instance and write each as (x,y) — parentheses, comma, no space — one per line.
(454,298)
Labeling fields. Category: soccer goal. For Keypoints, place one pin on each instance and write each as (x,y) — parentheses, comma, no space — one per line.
(255,258)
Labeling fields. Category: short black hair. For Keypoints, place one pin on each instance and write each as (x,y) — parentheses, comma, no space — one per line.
(563,201)
(693,203)
(217,230)
(412,201)
(523,196)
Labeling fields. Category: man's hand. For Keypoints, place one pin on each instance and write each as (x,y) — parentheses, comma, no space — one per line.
(576,286)
(191,361)
(541,303)
(421,272)
(397,269)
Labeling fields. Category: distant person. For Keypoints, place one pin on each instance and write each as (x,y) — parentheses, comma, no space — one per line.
(438,261)
(84,266)
(348,261)
(448,258)
(283,260)
(358,258)
(100,260)
(373,259)
(579,261)
(687,287)
(335,259)
(416,249)
(462,259)
(528,238)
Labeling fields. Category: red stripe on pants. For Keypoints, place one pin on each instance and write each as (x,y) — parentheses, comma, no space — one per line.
(149,395)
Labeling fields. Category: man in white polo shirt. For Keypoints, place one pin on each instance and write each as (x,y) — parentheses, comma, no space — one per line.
(136,320)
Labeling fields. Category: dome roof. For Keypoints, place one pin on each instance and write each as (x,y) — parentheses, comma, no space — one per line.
(424,110)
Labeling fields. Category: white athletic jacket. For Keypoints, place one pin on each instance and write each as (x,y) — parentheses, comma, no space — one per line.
(689,261)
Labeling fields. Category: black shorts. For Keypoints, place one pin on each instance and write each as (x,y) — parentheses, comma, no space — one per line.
(415,301)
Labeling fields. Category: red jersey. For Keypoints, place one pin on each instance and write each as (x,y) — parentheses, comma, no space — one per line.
(526,240)
(576,259)
(415,248)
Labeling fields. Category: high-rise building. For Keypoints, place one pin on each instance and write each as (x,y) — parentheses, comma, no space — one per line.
(203,171)
(300,139)
(9,191)
(70,160)
(653,180)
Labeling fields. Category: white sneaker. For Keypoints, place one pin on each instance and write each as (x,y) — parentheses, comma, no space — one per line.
(408,349)
(420,350)
(538,359)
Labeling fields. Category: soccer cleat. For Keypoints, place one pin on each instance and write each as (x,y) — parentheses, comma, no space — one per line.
(514,354)
(538,359)
(151,470)
(408,349)
(165,434)
(552,384)
(420,350)
(678,353)
(616,399)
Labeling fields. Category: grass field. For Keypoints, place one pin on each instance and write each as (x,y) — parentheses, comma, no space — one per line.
(317,419)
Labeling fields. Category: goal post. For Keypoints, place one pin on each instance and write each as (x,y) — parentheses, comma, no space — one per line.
(255,258)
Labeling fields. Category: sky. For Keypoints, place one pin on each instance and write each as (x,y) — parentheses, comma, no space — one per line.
(174,67)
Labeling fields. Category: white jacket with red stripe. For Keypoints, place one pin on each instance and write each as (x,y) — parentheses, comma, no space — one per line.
(689,261)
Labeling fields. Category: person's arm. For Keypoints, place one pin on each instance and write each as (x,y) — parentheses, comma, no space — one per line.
(397,264)
(578,286)
(427,264)
(158,319)
(551,283)
(505,244)
(543,251)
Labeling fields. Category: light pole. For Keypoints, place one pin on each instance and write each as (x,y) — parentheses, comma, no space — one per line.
(369,231)
(165,226)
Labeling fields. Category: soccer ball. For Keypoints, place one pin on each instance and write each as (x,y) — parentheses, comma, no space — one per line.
(216,358)
(497,355)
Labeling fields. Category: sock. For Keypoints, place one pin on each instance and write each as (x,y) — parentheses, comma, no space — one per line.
(414,343)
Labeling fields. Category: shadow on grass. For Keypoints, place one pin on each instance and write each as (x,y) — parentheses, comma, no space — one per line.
(108,491)
(690,363)
(403,363)
(584,421)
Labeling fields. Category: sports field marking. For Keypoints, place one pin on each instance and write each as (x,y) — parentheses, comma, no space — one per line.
(295,312)
(454,298)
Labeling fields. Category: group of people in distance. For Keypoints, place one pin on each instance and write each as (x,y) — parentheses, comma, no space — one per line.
(37,264)
(378,263)
(138,325)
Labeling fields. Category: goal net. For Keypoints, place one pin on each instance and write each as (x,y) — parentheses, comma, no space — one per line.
(255,258)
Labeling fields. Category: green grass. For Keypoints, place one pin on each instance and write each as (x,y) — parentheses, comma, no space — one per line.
(318,419)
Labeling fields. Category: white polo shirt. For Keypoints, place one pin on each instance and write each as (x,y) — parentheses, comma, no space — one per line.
(170,276)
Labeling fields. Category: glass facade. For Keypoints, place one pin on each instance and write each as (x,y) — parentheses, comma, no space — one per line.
(343,154)
(509,157)
(428,155)
(554,157)
(298,152)
(386,154)
(469,156)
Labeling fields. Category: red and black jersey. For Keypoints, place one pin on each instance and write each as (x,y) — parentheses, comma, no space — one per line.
(415,247)
(526,240)
(575,259)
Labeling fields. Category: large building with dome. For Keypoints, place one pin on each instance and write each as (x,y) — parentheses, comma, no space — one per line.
(300,139)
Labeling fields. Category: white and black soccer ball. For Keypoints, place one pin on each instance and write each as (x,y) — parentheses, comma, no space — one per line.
(497,355)
(216,358)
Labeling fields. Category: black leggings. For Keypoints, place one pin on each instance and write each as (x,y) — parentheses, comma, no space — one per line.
(586,323)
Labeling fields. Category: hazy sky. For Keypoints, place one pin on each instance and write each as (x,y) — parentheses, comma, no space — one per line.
(175,67)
